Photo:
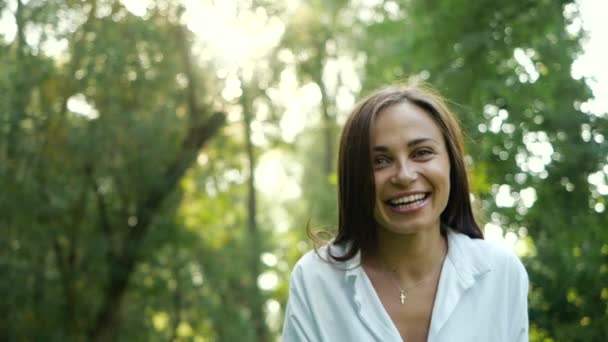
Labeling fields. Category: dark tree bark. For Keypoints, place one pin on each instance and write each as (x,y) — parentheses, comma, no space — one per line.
(177,307)
(20,95)
(328,118)
(257,302)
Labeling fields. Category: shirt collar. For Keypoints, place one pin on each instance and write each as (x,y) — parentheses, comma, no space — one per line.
(463,256)
(368,306)
(463,264)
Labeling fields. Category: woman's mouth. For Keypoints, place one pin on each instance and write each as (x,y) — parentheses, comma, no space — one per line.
(409,202)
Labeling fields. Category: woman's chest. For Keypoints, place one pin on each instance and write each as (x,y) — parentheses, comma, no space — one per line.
(412,316)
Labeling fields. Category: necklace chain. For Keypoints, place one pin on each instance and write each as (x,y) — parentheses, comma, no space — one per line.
(402,292)
(394,280)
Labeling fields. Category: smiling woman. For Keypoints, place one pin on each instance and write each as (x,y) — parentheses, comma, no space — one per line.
(411,170)
(409,262)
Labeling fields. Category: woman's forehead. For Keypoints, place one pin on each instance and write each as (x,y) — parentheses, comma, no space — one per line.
(404,121)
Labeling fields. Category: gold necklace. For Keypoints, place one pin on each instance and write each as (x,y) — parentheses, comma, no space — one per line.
(402,292)
(394,279)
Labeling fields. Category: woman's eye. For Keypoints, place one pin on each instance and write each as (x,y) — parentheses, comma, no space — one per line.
(423,152)
(380,160)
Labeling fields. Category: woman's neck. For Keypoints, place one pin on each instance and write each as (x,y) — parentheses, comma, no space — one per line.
(412,257)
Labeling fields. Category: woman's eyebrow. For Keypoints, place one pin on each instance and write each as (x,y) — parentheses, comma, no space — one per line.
(380,149)
(410,143)
(420,141)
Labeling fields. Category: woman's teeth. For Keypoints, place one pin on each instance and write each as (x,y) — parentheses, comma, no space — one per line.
(406,200)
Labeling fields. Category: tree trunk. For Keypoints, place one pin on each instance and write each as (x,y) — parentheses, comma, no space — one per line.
(177,306)
(327,116)
(20,95)
(257,301)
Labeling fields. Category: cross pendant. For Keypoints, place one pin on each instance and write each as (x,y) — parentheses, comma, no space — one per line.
(402,297)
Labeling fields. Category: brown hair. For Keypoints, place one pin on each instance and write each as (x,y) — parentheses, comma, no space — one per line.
(356,191)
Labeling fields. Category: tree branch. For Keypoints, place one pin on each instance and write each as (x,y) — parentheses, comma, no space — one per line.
(200,131)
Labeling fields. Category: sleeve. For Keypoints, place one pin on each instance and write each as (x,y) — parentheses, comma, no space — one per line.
(519,325)
(298,322)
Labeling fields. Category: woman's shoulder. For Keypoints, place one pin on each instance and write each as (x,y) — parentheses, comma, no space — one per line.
(490,254)
(318,263)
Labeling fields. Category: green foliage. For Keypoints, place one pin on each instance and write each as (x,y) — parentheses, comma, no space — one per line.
(85,192)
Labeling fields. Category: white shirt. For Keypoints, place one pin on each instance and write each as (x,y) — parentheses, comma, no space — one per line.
(481,296)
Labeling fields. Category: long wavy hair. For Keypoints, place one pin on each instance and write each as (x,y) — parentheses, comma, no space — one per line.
(356,190)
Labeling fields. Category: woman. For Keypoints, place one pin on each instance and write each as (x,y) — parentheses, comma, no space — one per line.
(409,262)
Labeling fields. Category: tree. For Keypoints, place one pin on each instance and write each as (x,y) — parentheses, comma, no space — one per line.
(85,193)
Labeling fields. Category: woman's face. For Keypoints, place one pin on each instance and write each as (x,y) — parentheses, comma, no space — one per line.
(411,170)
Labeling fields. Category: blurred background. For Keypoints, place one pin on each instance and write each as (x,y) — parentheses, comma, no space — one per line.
(160,160)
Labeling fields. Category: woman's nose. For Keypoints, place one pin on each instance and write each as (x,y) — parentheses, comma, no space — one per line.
(405,173)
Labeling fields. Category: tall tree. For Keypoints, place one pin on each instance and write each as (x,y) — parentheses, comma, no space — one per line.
(257,301)
(318,36)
